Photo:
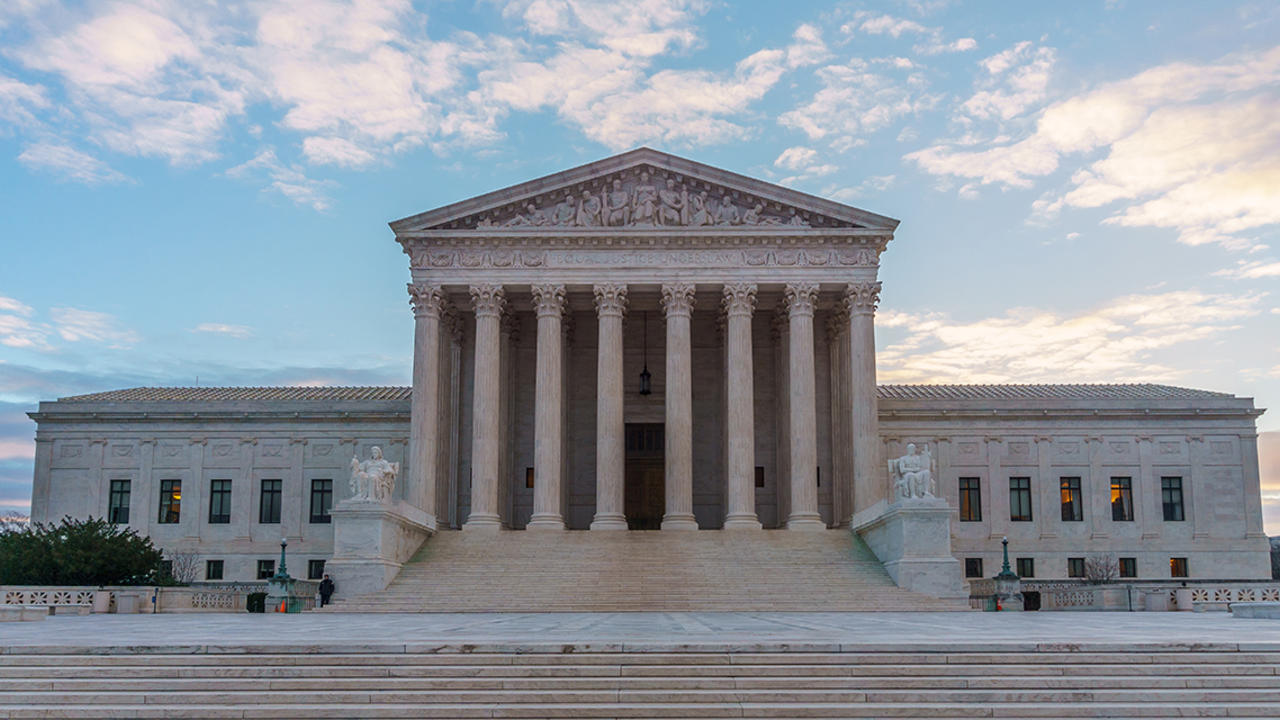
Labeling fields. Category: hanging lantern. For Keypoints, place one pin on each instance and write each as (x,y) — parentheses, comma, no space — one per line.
(645,377)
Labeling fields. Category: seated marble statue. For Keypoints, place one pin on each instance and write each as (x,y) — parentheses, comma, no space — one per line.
(912,474)
(374,479)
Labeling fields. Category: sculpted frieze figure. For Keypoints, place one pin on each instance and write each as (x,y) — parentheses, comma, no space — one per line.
(374,479)
(912,474)
(651,198)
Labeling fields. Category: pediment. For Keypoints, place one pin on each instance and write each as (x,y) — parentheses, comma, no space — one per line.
(638,190)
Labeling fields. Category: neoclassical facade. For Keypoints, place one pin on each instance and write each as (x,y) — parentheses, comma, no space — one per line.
(649,343)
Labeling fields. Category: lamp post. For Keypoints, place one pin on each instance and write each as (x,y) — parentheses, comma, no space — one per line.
(1008,584)
(283,572)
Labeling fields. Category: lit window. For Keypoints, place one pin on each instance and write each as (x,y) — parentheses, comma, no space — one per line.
(970,499)
(1177,567)
(170,501)
(1128,567)
(1122,499)
(1072,506)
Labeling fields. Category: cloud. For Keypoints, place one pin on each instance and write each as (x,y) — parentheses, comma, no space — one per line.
(75,325)
(1189,147)
(69,163)
(1016,80)
(932,42)
(17,330)
(875,183)
(235,331)
(856,100)
(288,180)
(20,102)
(1252,270)
(644,28)
(336,151)
(1120,341)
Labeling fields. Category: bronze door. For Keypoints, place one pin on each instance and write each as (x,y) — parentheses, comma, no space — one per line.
(645,490)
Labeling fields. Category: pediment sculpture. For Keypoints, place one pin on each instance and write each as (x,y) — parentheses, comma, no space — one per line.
(913,474)
(374,479)
(644,197)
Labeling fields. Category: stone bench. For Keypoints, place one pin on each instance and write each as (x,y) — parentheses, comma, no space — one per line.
(71,609)
(23,613)
(1256,610)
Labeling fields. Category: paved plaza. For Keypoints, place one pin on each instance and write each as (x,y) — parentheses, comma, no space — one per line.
(606,632)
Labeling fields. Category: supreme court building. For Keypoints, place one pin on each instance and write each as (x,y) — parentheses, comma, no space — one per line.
(649,343)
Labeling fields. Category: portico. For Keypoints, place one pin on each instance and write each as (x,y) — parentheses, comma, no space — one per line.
(527,302)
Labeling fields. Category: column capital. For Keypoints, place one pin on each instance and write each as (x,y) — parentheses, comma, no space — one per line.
(677,299)
(488,300)
(800,298)
(837,322)
(427,300)
(739,299)
(611,300)
(862,298)
(548,300)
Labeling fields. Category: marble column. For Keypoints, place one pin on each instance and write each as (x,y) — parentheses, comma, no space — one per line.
(424,410)
(611,305)
(488,301)
(800,299)
(782,414)
(868,488)
(548,423)
(739,304)
(677,305)
(841,445)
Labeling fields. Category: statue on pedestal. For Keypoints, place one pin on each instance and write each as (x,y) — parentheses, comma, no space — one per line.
(374,479)
(912,474)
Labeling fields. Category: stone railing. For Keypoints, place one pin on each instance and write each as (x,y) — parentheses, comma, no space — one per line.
(200,597)
(1195,595)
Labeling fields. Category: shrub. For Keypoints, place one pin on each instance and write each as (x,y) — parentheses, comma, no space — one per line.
(78,552)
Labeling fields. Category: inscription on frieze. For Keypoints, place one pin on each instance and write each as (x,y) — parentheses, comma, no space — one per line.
(642,257)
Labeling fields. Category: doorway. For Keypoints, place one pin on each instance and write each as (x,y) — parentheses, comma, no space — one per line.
(645,489)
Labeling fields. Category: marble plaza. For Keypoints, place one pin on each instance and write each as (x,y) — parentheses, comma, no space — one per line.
(646,343)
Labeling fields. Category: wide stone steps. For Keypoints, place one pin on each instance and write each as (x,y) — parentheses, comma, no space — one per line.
(551,682)
(582,571)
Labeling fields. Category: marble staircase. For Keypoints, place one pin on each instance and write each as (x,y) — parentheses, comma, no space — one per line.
(582,571)
(941,680)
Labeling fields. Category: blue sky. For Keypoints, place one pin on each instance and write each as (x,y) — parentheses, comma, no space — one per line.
(1089,191)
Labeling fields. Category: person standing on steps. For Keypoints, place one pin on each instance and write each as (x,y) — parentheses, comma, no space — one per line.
(326,590)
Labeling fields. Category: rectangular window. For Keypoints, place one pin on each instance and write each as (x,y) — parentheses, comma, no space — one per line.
(1177,567)
(315,569)
(269,502)
(170,501)
(213,570)
(1026,567)
(759,476)
(266,568)
(1072,505)
(970,499)
(321,500)
(1020,499)
(1171,498)
(1122,499)
(973,567)
(220,502)
(118,507)
(1075,567)
(1129,567)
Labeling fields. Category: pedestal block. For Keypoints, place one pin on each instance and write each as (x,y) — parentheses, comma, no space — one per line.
(371,541)
(913,539)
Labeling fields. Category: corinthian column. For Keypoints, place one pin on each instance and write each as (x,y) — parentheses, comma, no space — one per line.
(861,300)
(488,301)
(424,410)
(548,435)
(800,299)
(677,304)
(739,304)
(611,305)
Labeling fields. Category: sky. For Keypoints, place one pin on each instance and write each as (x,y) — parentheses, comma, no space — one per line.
(197,192)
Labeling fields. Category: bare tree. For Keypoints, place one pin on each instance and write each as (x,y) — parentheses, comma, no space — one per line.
(184,566)
(1101,568)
